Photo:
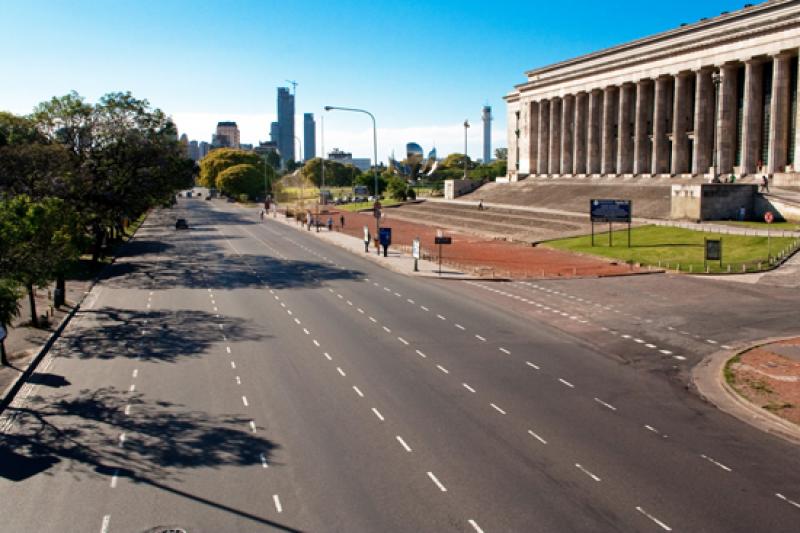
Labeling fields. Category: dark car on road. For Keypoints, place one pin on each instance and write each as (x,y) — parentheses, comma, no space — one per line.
(181,224)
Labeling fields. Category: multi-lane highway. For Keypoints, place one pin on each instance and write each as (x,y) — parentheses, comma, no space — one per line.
(247,376)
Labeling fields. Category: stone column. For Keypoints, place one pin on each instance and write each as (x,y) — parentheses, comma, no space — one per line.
(642,127)
(608,154)
(702,157)
(680,113)
(555,136)
(595,115)
(523,141)
(580,132)
(779,111)
(512,139)
(796,140)
(660,97)
(567,133)
(625,128)
(543,149)
(533,136)
(753,104)
(726,119)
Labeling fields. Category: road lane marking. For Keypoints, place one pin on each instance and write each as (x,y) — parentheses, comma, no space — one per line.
(459,326)
(424,308)
(398,295)
(378,414)
(409,300)
(475,526)
(252,426)
(372,319)
(421,354)
(277,501)
(238,380)
(387,330)
(638,341)
(401,339)
(787,500)
(360,310)
(665,352)
(122,439)
(664,526)
(496,408)
(468,387)
(679,357)
(437,482)
(349,303)
(537,437)
(289,312)
(722,466)
(128,409)
(441,317)
(711,341)
(297,321)
(316,343)
(532,365)
(104,525)
(133,387)
(582,469)
(135,372)
(358,391)
(114,479)
(215,309)
(305,330)
(228,349)
(651,346)
(504,351)
(233,365)
(326,354)
(403,443)
(339,369)
(567,383)
(264,463)
(443,369)
(244,401)
(604,404)
(482,339)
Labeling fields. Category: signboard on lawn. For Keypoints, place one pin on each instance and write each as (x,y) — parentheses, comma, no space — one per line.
(610,210)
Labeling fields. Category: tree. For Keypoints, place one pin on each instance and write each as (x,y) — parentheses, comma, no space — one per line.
(501,153)
(241,179)
(9,309)
(368,179)
(336,174)
(223,158)
(273,159)
(397,188)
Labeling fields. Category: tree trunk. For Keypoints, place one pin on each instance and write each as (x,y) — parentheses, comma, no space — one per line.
(32,300)
(98,244)
(3,354)
(61,290)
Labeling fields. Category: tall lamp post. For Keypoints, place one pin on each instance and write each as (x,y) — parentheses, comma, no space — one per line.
(374,152)
(716,79)
(466,127)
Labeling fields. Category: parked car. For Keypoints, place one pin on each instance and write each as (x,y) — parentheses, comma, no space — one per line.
(181,224)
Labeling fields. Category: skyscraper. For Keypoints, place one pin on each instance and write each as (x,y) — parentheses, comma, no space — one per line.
(486,116)
(274,132)
(286,124)
(227,135)
(309,137)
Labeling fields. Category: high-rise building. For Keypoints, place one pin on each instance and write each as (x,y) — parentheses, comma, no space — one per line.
(204,149)
(309,137)
(227,135)
(486,116)
(274,132)
(194,151)
(286,125)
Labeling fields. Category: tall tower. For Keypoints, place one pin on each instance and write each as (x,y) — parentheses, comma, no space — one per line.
(286,125)
(486,116)
(309,137)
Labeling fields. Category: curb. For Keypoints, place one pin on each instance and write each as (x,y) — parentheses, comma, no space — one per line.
(709,382)
(13,389)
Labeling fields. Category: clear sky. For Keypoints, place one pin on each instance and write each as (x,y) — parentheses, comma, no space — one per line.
(421,67)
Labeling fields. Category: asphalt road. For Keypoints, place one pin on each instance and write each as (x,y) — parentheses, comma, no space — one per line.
(246,376)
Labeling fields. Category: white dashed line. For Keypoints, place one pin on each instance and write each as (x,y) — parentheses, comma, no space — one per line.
(537,437)
(421,354)
(475,526)
(135,372)
(441,317)
(128,409)
(582,469)
(664,526)
(532,365)
(651,346)
(665,352)
(316,343)
(403,443)
(378,414)
(339,369)
(252,426)
(468,387)
(482,339)
(372,319)
(443,369)
(496,408)
(711,341)
(437,482)
(264,463)
(122,439)
(133,388)
(459,326)
(228,349)
(114,479)
(409,300)
(360,310)
(358,391)
(104,525)
(424,308)
(787,500)
(504,351)
(328,356)
(238,380)
(567,383)
(387,330)
(277,501)
(709,459)
(604,404)
(244,401)
(401,339)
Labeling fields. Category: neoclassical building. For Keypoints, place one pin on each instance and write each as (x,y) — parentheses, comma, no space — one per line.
(719,95)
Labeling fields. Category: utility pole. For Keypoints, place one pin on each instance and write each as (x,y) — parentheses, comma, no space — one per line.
(466,127)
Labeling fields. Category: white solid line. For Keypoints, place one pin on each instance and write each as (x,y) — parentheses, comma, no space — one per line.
(326,354)
(244,401)
(403,443)
(421,354)
(567,383)
(104,526)
(475,526)
(316,343)
(531,365)
(468,387)
(339,369)
(537,437)
(664,526)
(722,466)
(582,469)
(114,479)
(233,365)
(482,339)
(424,308)
(277,503)
(135,372)
(459,326)
(505,351)
(133,387)
(387,330)
(252,426)
(378,414)
(128,409)
(264,461)
(358,391)
(496,408)
(437,482)
(443,369)
(228,349)
(401,339)
(604,404)
(441,317)
(787,500)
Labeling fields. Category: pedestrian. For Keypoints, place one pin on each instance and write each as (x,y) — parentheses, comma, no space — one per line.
(732,179)
(341,220)
(367,238)
(261,214)
(742,213)
(330,223)
(764,183)
(480,205)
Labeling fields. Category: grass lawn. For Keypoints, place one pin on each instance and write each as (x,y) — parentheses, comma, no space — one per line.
(778,226)
(677,248)
(386,202)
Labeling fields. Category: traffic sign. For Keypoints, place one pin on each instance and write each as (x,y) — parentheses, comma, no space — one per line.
(442,240)
(769,217)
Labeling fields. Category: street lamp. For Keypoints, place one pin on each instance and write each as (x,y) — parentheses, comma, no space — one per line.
(374,152)
(716,79)
(466,127)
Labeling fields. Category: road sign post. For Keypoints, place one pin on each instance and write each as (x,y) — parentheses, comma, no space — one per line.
(439,240)
(415,253)
(769,218)
(713,252)
(385,236)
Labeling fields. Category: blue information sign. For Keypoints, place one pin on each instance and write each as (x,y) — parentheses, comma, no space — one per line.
(385,236)
(610,210)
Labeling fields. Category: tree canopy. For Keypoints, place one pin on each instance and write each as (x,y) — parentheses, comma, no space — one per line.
(241,179)
(217,161)
(336,173)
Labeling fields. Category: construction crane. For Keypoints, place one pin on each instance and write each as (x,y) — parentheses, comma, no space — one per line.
(294,86)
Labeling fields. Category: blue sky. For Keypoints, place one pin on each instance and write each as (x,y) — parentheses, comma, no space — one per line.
(420,67)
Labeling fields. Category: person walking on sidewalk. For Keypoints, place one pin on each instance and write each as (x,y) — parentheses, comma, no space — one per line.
(330,223)
(341,221)
(764,183)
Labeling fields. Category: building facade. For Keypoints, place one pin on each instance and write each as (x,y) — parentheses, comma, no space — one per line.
(227,135)
(309,137)
(286,125)
(346,158)
(718,96)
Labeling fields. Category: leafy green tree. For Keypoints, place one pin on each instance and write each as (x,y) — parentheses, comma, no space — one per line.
(223,158)
(336,173)
(9,309)
(274,160)
(240,180)
(397,188)
(501,153)
(368,179)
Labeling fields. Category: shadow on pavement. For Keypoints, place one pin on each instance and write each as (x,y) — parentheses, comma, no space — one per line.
(48,380)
